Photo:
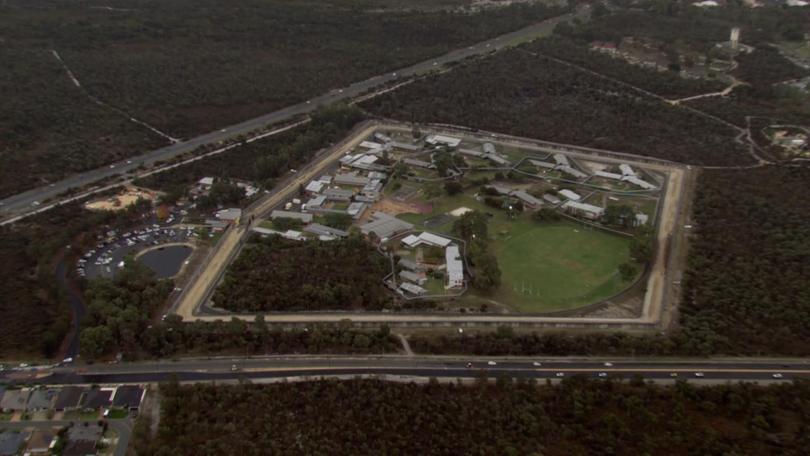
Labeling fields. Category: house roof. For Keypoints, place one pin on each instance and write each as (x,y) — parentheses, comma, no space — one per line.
(384,225)
(306,218)
(11,441)
(96,398)
(40,441)
(79,448)
(568,194)
(68,397)
(15,399)
(88,432)
(128,396)
(42,399)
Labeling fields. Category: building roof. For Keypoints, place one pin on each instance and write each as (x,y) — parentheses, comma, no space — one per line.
(382,137)
(543,164)
(11,441)
(326,179)
(489,148)
(608,175)
(370,145)
(316,201)
(68,397)
(568,194)
(551,198)
(338,193)
(207,181)
(426,238)
(526,198)
(42,399)
(501,189)
(472,153)
(306,218)
(356,209)
(455,267)
(561,160)
(315,186)
(229,214)
(626,170)
(80,448)
(384,225)
(640,182)
(642,219)
(88,432)
(408,264)
(412,289)
(415,162)
(571,171)
(40,441)
(351,179)
(410,276)
(96,398)
(584,207)
(128,396)
(497,159)
(442,139)
(405,146)
(317,228)
(15,399)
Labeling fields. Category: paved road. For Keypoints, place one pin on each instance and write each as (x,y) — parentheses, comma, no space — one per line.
(431,366)
(25,203)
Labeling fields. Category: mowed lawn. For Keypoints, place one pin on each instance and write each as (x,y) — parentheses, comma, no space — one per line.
(548,267)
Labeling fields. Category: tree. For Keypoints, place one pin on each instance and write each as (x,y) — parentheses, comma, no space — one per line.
(628,271)
(453,188)
(95,341)
(487,273)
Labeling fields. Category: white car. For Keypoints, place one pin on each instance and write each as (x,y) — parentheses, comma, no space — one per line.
(536,364)
(699,374)
(492,363)
(560,374)
(673,374)
(608,364)
(602,374)
(777,375)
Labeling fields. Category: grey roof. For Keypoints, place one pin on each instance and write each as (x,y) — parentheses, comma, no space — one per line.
(42,399)
(68,397)
(551,198)
(40,441)
(306,218)
(410,276)
(384,225)
(79,448)
(11,441)
(338,194)
(497,159)
(405,146)
(412,289)
(317,228)
(15,399)
(89,432)
(526,198)
(96,398)
(128,396)
(415,162)
(351,179)
(489,148)
(408,264)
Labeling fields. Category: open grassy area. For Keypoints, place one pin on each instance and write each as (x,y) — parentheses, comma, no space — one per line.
(549,267)
(545,267)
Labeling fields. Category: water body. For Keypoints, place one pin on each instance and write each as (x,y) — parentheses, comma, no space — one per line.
(166,261)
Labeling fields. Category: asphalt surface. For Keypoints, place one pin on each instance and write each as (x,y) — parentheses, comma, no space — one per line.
(31,201)
(221,369)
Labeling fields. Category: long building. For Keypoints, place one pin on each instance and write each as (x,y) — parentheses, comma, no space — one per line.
(384,225)
(588,211)
(455,267)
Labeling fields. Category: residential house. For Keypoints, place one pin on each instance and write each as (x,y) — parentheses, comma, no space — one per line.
(384,225)
(306,218)
(128,397)
(455,267)
(412,277)
(15,400)
(40,443)
(68,398)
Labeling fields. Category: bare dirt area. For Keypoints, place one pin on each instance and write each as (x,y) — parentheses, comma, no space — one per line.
(122,200)
(393,207)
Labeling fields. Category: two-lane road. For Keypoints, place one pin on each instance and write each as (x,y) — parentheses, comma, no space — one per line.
(30,202)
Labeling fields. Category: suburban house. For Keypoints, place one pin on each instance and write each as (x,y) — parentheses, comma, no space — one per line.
(455,267)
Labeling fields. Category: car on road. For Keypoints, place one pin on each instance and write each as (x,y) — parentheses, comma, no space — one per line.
(602,374)
(469,365)
(560,374)
(777,375)
(699,374)
(36,203)
(234,368)
(537,364)
(67,360)
(112,166)
(608,364)
(673,374)
(492,363)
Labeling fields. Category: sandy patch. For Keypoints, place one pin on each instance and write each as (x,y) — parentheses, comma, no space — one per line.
(122,200)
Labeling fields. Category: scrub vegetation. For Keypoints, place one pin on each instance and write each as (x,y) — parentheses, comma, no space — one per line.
(577,417)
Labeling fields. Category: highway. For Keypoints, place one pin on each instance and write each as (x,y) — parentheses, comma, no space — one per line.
(279,367)
(31,201)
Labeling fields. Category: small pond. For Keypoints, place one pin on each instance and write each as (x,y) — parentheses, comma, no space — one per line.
(166,261)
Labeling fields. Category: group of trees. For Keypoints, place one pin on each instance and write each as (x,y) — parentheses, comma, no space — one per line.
(34,315)
(276,274)
(472,227)
(577,417)
(765,66)
(119,310)
(518,93)
(747,289)
(265,160)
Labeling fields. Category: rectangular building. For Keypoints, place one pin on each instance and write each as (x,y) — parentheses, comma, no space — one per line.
(351,179)
(561,160)
(417,163)
(338,194)
(443,140)
(568,194)
(408,276)
(455,267)
(306,218)
(588,211)
(527,199)
(323,230)
(384,225)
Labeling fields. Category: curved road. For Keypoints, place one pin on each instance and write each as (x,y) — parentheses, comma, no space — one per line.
(28,202)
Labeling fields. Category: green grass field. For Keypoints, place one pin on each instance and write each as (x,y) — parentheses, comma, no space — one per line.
(548,267)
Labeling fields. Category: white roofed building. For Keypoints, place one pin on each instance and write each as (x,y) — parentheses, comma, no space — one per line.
(588,211)
(455,267)
(445,140)
(425,238)
(570,195)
